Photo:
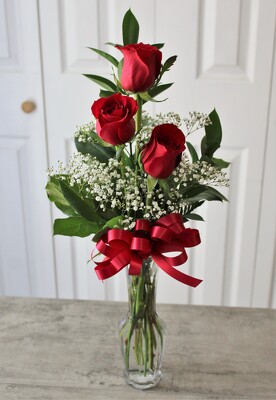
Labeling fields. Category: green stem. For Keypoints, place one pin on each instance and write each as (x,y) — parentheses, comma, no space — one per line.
(120,155)
(150,349)
(137,346)
(121,158)
(146,345)
(143,329)
(139,307)
(159,330)
(127,344)
(138,117)
(138,124)
(119,150)
(150,188)
(154,343)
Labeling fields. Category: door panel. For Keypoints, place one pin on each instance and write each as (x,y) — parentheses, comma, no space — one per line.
(26,263)
(76,25)
(217,70)
(264,291)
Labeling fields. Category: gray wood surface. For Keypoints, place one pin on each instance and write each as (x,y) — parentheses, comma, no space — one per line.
(69,350)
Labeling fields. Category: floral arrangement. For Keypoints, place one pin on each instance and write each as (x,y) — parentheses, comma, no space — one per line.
(136,179)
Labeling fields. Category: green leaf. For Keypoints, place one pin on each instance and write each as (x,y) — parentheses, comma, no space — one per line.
(84,207)
(120,67)
(196,193)
(155,91)
(118,83)
(216,194)
(74,226)
(192,191)
(113,222)
(95,138)
(98,150)
(213,135)
(218,162)
(151,183)
(113,44)
(109,224)
(192,151)
(204,148)
(99,234)
(107,56)
(163,183)
(105,93)
(103,82)
(207,159)
(146,96)
(107,214)
(55,195)
(167,65)
(194,217)
(158,45)
(130,28)
(166,185)
(121,155)
(129,162)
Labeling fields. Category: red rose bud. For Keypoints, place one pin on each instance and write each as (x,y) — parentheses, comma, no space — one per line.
(163,152)
(141,67)
(114,114)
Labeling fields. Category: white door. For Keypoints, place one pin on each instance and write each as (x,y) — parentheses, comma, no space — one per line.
(26,249)
(68,98)
(225,52)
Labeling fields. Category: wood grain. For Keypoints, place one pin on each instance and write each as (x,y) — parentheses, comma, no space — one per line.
(69,349)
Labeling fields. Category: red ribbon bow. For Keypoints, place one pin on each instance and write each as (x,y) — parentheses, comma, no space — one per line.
(122,247)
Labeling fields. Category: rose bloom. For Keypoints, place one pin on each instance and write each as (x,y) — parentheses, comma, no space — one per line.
(163,152)
(114,114)
(141,67)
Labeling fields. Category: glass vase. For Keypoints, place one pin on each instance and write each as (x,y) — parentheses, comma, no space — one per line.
(142,332)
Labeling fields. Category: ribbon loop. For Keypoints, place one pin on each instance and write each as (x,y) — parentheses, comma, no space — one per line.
(168,234)
(143,225)
(160,233)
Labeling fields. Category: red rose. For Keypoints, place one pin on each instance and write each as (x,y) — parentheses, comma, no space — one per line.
(141,67)
(163,152)
(114,114)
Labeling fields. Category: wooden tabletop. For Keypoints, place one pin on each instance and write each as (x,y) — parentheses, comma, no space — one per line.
(69,350)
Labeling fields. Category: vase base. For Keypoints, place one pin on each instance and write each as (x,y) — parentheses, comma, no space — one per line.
(139,380)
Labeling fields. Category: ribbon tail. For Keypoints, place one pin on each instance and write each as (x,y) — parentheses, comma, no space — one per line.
(174,273)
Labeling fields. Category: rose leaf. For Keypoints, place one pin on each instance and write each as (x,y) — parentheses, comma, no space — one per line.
(130,28)
(75,226)
(107,56)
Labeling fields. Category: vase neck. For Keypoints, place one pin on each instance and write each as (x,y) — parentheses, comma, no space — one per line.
(142,291)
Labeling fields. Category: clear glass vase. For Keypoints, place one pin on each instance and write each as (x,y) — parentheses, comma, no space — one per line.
(142,332)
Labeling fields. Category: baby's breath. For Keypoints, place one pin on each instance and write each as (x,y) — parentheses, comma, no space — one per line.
(196,120)
(83,133)
(199,172)
(126,194)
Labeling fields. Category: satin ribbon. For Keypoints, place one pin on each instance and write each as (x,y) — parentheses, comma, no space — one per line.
(121,247)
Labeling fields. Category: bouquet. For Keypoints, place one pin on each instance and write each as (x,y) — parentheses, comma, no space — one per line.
(133,183)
